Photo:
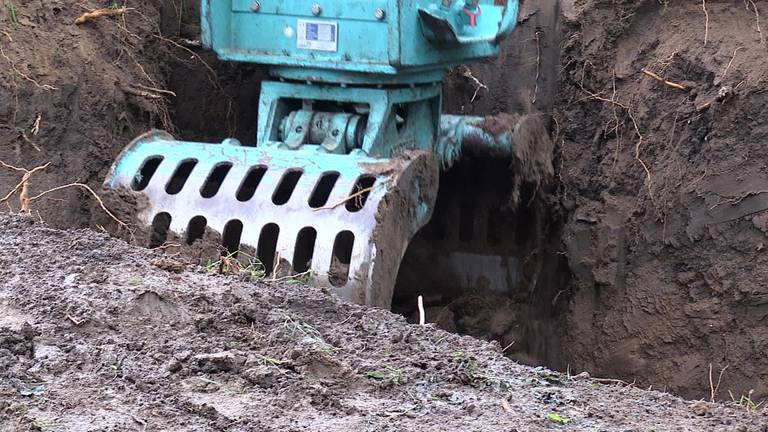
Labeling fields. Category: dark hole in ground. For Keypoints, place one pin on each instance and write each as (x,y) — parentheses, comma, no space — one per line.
(488,269)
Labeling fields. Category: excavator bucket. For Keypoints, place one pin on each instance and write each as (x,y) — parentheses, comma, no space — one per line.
(343,220)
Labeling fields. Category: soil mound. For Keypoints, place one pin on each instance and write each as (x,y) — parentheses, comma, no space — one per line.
(96,335)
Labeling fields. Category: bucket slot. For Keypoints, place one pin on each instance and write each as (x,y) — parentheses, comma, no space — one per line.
(147,170)
(160,225)
(267,247)
(360,192)
(250,183)
(304,249)
(323,189)
(286,186)
(230,238)
(215,179)
(196,229)
(338,273)
(180,176)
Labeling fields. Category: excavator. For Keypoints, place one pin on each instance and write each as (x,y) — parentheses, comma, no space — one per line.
(352,148)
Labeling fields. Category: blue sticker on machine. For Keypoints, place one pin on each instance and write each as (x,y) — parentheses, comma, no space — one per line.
(317,35)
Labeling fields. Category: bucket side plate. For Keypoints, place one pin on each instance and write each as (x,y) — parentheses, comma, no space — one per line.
(363,211)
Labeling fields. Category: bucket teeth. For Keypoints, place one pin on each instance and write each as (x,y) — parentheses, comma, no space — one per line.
(346,220)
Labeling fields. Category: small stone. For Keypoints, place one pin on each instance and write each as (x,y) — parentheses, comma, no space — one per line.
(183,356)
(261,376)
(224,361)
(582,376)
(173,366)
(700,408)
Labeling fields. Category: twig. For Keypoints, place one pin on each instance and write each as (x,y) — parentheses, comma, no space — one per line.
(508,346)
(725,72)
(706,20)
(738,199)
(467,73)
(140,93)
(8,35)
(97,13)
(75,321)
(757,18)
(156,90)
(422,315)
(637,131)
(29,141)
(289,277)
(538,67)
(713,388)
(616,129)
(24,179)
(26,77)
(36,125)
(660,79)
(649,178)
(507,407)
(351,197)
(87,188)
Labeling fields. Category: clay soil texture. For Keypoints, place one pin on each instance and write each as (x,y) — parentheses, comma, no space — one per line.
(657,110)
(659,117)
(96,334)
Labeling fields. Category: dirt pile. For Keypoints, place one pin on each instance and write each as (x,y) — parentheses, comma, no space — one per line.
(96,334)
(647,261)
(75,95)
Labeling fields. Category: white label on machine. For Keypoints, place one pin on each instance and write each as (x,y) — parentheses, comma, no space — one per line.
(317,35)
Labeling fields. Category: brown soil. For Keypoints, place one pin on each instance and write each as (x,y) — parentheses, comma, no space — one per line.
(667,262)
(664,230)
(648,275)
(107,336)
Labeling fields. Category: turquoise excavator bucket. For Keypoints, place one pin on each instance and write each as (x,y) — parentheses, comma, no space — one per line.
(350,137)
(342,220)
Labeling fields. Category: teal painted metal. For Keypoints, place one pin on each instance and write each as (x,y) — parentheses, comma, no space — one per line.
(384,135)
(359,83)
(389,37)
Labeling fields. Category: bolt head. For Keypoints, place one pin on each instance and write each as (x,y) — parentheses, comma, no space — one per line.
(316,9)
(380,14)
(255,6)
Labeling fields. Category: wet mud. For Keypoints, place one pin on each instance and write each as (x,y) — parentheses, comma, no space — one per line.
(638,224)
(104,337)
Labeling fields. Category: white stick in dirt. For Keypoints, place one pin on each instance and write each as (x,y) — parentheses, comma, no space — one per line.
(422,318)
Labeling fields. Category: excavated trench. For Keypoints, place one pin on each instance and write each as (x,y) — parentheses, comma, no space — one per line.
(486,264)
(603,267)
